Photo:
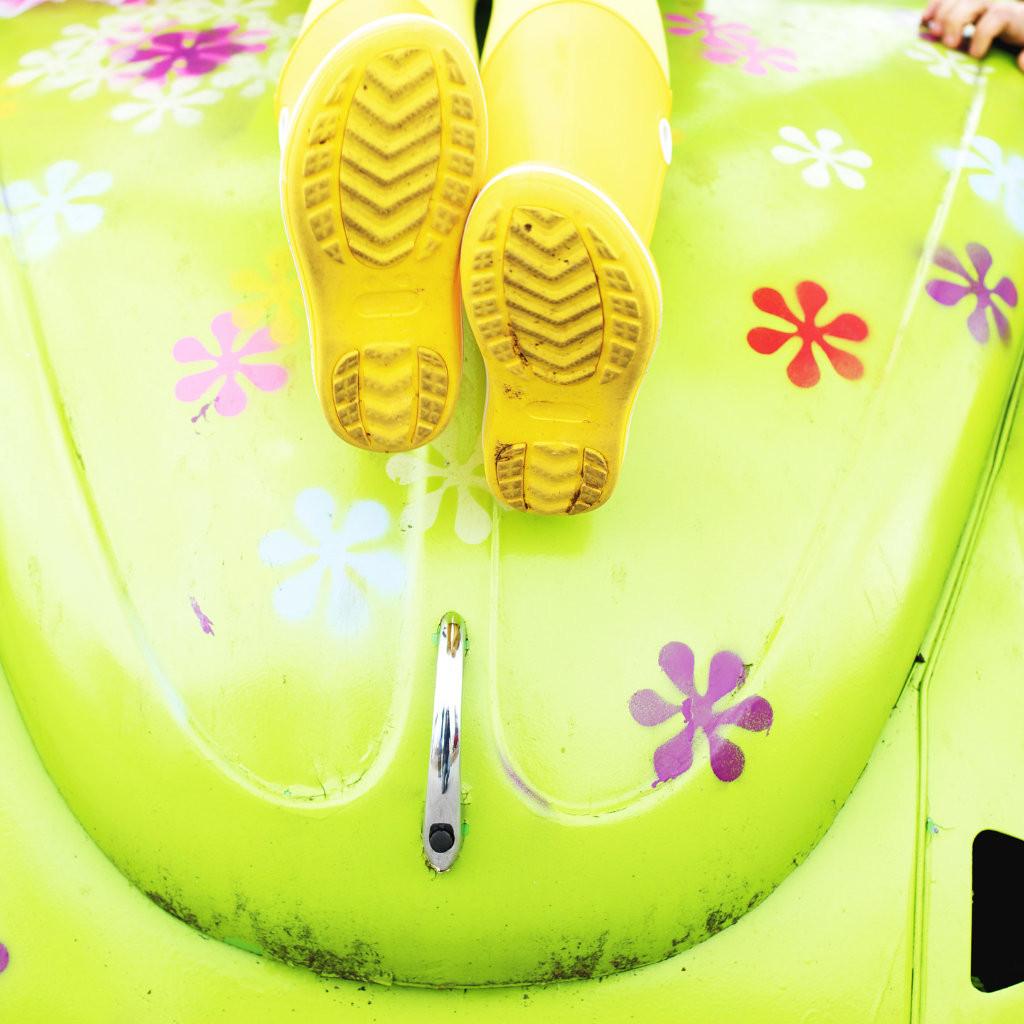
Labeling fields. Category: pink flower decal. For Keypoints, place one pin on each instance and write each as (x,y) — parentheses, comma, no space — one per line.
(727,674)
(230,400)
(12,8)
(754,57)
(949,293)
(705,22)
(732,42)
(803,369)
(190,52)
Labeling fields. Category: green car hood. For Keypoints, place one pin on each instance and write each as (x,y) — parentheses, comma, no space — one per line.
(216,619)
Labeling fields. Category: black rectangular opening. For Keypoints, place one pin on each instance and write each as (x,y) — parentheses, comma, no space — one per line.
(997,918)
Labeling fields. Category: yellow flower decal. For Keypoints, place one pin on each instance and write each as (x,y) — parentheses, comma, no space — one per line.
(274,302)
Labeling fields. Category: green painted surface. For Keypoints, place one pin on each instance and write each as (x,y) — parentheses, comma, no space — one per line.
(261,776)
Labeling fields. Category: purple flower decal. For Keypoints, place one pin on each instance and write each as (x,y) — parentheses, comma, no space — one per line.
(230,400)
(949,293)
(190,52)
(727,673)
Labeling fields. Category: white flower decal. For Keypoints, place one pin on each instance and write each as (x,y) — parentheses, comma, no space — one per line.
(472,522)
(168,13)
(85,58)
(25,212)
(996,175)
(945,63)
(350,571)
(253,74)
(56,69)
(178,99)
(280,35)
(247,70)
(81,60)
(824,156)
(225,12)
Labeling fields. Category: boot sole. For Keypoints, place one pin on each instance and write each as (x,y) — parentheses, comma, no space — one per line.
(564,302)
(381,160)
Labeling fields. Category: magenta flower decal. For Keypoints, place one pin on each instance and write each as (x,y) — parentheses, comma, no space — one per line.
(732,42)
(190,52)
(727,674)
(949,293)
(803,368)
(231,399)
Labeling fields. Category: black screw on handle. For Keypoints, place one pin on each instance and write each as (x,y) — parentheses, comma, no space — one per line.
(441,837)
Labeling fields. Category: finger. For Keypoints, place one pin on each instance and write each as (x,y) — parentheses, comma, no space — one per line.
(991,23)
(930,22)
(1014,31)
(943,11)
(961,13)
(964,13)
(1020,60)
(936,20)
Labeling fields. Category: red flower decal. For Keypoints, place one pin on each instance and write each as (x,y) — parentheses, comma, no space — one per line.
(803,369)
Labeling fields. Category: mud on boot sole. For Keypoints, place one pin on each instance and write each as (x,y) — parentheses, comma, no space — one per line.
(564,302)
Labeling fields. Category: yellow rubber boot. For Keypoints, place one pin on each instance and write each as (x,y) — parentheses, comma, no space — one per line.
(383,134)
(560,288)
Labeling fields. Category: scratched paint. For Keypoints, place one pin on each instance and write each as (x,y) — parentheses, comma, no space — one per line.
(519,784)
(203,620)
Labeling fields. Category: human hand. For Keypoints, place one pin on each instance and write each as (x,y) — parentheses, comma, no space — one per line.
(990,20)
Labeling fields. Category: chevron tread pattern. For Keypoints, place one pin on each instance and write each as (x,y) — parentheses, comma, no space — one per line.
(390,154)
(552,295)
(390,394)
(551,477)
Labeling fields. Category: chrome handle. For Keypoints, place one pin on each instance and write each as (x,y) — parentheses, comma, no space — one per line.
(442,822)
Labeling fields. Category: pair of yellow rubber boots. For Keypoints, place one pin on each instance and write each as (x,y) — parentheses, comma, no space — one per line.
(385,144)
